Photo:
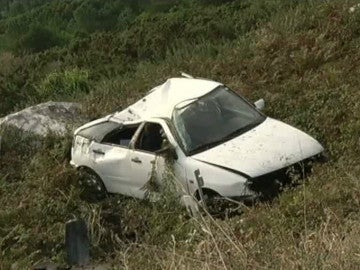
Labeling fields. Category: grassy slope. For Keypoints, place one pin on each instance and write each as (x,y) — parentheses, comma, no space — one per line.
(305,62)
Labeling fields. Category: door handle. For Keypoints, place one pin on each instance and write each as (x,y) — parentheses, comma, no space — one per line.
(136,160)
(98,152)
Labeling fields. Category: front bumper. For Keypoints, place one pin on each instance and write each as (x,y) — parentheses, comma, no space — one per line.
(269,185)
(73,164)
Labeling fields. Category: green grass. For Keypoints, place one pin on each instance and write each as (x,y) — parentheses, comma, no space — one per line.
(303,59)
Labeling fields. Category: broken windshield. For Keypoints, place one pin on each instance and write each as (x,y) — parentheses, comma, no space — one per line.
(213,118)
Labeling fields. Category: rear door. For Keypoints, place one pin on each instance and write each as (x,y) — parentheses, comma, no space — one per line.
(109,154)
(111,163)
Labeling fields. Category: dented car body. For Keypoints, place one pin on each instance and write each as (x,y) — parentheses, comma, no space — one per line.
(210,130)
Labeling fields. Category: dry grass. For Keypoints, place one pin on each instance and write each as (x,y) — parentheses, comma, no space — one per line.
(305,63)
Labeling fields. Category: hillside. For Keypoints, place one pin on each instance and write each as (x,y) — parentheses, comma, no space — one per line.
(302,57)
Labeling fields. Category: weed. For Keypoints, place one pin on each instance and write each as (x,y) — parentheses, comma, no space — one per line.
(301,56)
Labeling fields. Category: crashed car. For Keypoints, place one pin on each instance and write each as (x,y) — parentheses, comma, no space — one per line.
(221,144)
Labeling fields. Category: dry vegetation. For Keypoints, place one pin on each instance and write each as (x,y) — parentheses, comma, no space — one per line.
(304,60)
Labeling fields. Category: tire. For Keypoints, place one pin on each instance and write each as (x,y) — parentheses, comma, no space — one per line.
(212,201)
(93,188)
(218,206)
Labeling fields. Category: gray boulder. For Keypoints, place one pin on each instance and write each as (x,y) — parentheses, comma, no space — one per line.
(56,118)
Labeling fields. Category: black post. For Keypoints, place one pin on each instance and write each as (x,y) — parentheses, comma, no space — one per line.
(77,242)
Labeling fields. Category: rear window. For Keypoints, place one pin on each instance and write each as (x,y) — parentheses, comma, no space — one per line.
(98,132)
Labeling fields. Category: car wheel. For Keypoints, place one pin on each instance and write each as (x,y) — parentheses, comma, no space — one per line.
(218,206)
(212,201)
(93,188)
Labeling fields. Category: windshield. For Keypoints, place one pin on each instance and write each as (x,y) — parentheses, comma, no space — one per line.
(213,118)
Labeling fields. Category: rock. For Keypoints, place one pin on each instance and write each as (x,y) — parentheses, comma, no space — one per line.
(46,118)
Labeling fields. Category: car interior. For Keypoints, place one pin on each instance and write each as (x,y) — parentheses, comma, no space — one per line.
(151,138)
(120,136)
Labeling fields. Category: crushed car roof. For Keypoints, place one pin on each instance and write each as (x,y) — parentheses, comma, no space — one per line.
(161,100)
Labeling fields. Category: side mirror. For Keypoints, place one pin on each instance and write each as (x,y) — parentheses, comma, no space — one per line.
(260,104)
(168,150)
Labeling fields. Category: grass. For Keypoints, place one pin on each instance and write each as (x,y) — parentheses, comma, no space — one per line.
(305,62)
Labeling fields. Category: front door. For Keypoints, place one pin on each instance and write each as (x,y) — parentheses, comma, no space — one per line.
(146,165)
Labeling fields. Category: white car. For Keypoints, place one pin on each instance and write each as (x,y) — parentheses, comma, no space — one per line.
(217,139)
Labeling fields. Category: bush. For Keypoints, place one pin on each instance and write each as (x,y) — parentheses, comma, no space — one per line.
(70,83)
(38,39)
(95,15)
(301,56)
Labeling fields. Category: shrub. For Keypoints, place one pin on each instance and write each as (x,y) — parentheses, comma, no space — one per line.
(38,39)
(70,83)
(301,56)
(95,15)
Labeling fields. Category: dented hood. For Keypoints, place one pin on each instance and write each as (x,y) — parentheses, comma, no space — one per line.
(270,146)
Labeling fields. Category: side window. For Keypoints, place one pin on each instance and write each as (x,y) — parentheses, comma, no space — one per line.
(151,138)
(98,131)
(120,136)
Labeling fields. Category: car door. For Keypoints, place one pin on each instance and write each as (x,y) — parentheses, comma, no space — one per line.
(143,158)
(111,164)
(111,159)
